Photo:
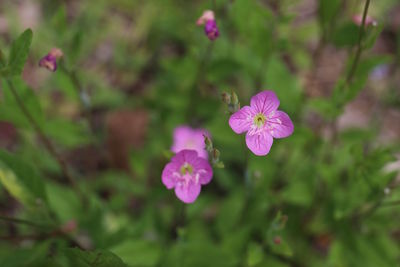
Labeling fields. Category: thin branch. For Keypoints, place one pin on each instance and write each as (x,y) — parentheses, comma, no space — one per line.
(390,203)
(359,46)
(22,221)
(82,93)
(198,81)
(45,140)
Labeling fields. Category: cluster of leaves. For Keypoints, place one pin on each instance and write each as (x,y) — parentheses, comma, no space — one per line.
(331,190)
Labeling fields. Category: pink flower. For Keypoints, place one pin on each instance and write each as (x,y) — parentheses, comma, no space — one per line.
(50,60)
(357,19)
(206,16)
(210,26)
(187,172)
(262,122)
(189,138)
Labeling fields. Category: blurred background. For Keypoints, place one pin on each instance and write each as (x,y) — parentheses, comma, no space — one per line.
(132,71)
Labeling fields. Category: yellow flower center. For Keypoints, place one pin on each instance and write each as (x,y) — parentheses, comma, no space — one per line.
(186,168)
(259,120)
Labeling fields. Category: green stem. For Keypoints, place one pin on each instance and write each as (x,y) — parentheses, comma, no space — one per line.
(391,203)
(81,93)
(46,141)
(359,46)
(194,94)
(21,221)
(214,5)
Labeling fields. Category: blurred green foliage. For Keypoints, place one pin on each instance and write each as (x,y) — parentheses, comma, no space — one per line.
(321,197)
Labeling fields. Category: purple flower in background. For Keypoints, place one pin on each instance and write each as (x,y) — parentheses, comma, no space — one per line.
(262,122)
(211,30)
(189,138)
(210,25)
(187,172)
(50,60)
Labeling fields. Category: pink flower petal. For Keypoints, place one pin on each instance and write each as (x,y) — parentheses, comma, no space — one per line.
(282,125)
(189,155)
(188,194)
(265,102)
(167,176)
(259,144)
(204,169)
(241,120)
(188,138)
(183,156)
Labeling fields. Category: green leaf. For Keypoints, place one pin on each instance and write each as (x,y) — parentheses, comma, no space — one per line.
(359,80)
(64,202)
(97,258)
(346,35)
(223,68)
(298,192)
(19,53)
(327,10)
(200,254)
(10,110)
(21,180)
(2,60)
(230,213)
(274,237)
(255,254)
(73,134)
(140,253)
(32,257)
(285,84)
(372,34)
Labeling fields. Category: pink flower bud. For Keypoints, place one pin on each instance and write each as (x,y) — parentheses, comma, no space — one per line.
(277,240)
(69,226)
(207,15)
(50,60)
(210,25)
(211,30)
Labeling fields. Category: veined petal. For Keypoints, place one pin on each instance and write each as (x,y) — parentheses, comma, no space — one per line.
(260,143)
(168,175)
(181,134)
(189,193)
(241,120)
(183,156)
(204,170)
(188,138)
(280,124)
(265,102)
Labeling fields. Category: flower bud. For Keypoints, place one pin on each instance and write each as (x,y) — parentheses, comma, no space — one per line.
(50,60)
(277,240)
(206,16)
(211,30)
(210,26)
(235,99)
(69,226)
(216,154)
(208,143)
(226,98)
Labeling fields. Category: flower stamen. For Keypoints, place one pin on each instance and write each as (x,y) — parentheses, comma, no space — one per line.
(259,120)
(186,168)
